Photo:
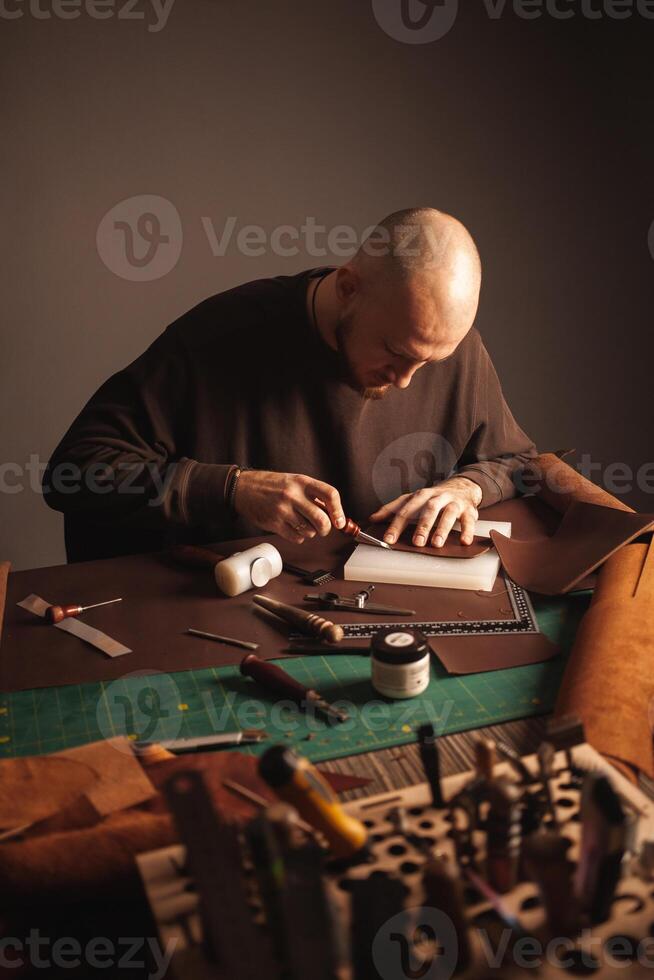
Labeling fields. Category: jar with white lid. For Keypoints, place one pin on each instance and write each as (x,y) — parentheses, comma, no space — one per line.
(401,662)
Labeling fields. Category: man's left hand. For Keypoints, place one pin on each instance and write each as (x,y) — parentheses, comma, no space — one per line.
(434,509)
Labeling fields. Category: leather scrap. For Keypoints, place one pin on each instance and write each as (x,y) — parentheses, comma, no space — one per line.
(73,787)
(586,537)
(32,788)
(121,780)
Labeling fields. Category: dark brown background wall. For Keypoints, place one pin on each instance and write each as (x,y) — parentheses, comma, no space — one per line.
(537,133)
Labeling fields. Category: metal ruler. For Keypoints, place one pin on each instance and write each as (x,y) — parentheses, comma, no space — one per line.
(524,622)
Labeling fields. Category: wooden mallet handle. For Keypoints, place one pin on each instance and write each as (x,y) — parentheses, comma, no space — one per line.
(195,556)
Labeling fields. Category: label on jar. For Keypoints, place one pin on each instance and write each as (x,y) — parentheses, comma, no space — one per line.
(400,680)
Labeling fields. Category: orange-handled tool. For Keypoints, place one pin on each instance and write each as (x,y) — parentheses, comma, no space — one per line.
(55,614)
(352,529)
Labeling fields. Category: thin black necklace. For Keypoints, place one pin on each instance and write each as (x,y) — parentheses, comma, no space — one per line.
(313,300)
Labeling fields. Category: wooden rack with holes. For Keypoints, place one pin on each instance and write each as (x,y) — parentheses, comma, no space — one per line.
(621,946)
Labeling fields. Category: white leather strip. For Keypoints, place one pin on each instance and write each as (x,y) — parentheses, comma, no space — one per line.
(112,648)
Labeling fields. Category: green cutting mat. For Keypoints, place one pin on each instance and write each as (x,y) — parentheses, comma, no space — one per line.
(201,702)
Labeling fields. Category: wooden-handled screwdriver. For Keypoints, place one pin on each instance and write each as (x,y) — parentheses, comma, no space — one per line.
(352,529)
(55,614)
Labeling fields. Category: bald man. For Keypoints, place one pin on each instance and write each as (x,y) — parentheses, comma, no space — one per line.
(344,385)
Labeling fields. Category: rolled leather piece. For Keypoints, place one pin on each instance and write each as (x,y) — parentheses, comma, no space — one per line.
(609,681)
(558,484)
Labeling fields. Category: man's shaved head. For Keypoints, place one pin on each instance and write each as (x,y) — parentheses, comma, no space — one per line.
(426,250)
(411,291)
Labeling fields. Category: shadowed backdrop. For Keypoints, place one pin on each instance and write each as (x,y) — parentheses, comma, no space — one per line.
(536,133)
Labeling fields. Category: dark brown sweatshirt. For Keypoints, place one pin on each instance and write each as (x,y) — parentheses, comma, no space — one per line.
(244,378)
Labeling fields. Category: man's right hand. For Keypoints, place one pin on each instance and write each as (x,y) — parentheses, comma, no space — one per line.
(284,504)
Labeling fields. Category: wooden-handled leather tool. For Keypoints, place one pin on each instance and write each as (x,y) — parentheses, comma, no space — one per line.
(306,622)
(352,529)
(55,614)
(273,678)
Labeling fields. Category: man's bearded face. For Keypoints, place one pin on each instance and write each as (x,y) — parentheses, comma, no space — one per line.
(356,370)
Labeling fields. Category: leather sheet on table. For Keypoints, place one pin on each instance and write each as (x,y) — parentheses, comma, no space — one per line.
(161,600)
(587,535)
(609,679)
(451,549)
(473,654)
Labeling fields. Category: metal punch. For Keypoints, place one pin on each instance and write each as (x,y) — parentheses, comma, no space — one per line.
(357,603)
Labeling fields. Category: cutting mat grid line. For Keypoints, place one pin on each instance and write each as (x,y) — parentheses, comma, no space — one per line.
(200,702)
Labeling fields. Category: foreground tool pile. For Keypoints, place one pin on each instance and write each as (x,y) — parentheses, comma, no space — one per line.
(544,861)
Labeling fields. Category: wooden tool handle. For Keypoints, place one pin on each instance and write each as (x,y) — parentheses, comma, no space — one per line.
(272,677)
(55,614)
(194,556)
(351,528)
(307,622)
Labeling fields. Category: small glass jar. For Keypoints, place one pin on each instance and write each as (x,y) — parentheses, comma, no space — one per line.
(400,662)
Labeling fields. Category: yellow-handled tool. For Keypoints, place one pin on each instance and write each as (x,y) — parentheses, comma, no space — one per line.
(297,782)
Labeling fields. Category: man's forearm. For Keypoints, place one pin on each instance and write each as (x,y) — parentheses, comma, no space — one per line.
(124,488)
(495,477)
